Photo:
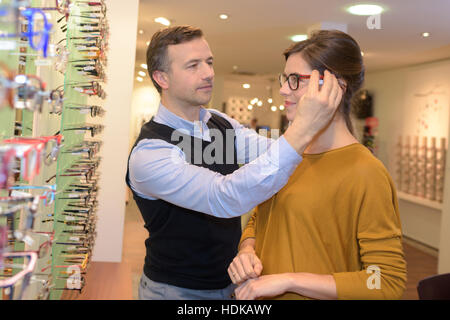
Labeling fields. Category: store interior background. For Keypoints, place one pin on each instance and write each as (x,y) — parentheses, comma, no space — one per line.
(404,72)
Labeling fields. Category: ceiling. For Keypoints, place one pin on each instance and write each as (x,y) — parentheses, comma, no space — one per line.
(258,31)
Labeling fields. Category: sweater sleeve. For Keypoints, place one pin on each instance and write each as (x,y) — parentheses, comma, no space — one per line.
(383,268)
(250,229)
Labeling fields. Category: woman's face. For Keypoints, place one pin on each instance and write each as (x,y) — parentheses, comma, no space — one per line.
(294,64)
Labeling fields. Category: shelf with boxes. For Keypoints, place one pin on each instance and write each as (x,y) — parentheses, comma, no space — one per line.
(420,170)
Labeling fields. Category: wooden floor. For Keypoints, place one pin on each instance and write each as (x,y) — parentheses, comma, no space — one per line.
(419,265)
(120,280)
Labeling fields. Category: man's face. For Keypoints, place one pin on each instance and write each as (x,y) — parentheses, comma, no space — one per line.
(191,73)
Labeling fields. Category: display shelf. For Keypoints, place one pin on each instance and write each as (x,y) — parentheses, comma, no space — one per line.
(421,201)
(68,227)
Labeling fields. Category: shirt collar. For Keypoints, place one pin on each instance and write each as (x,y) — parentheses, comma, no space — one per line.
(167,117)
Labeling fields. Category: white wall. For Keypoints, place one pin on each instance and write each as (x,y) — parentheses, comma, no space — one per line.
(123,18)
(401,97)
(144,105)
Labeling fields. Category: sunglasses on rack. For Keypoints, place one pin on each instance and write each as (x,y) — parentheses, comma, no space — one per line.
(92,68)
(30,206)
(89,148)
(48,195)
(91,88)
(6,85)
(38,36)
(7,157)
(56,100)
(94,129)
(22,91)
(24,275)
(33,151)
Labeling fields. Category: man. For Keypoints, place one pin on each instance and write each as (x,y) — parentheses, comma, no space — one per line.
(192,205)
(254,124)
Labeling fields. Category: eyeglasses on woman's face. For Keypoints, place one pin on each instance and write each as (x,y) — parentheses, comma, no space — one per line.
(296,80)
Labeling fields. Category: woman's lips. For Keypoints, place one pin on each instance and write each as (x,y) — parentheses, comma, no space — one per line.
(289,104)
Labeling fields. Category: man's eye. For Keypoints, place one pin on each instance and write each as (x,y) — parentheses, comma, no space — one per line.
(192,66)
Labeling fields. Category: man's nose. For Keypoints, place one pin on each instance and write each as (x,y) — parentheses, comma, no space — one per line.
(207,71)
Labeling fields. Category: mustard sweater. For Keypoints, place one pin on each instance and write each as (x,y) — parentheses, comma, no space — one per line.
(338,215)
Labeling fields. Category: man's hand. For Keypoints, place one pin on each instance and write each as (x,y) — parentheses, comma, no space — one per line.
(315,110)
(246,265)
(265,286)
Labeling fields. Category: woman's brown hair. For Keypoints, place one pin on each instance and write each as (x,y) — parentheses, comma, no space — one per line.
(338,53)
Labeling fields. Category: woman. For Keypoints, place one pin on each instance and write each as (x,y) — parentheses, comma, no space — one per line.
(333,232)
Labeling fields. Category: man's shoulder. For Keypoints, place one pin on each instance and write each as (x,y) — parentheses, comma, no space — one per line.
(234,123)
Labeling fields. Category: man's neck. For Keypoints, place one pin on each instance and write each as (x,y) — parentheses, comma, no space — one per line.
(335,135)
(184,111)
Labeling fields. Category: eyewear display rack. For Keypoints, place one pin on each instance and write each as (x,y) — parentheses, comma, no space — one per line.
(62,230)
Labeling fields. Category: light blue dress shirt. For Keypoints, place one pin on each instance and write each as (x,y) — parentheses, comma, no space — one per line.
(158,169)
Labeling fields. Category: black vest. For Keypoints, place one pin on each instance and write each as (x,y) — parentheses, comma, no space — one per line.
(188,248)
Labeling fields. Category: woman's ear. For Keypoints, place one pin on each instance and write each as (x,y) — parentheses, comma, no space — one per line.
(161,79)
(342,84)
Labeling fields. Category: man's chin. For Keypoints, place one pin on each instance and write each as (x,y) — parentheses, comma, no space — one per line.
(202,101)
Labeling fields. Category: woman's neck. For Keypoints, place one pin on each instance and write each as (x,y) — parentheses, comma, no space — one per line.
(335,135)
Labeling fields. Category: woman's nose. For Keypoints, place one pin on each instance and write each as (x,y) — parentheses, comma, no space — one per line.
(285,90)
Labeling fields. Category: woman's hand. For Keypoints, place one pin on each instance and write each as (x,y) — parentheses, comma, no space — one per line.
(265,286)
(246,265)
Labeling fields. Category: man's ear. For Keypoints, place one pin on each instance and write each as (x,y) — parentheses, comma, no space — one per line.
(161,79)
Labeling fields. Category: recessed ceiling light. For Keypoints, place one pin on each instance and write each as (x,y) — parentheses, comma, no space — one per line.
(299,37)
(246,86)
(144,66)
(250,107)
(425,34)
(223,16)
(259,103)
(142,73)
(273,108)
(139,79)
(281,107)
(163,21)
(362,53)
(147,43)
(269,100)
(365,9)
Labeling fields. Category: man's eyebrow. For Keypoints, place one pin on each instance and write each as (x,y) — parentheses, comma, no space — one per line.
(198,60)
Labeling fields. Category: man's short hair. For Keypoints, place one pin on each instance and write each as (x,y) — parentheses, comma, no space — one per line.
(157,59)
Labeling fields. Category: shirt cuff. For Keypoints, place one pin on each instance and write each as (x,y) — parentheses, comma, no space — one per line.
(288,159)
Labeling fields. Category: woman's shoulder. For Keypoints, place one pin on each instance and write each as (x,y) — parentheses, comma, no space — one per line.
(368,167)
